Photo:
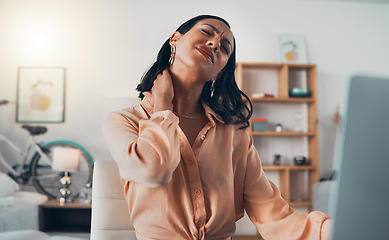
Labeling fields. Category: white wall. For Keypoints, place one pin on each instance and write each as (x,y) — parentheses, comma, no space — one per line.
(106,45)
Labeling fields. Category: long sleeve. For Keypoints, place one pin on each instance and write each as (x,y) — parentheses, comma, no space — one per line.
(146,150)
(270,213)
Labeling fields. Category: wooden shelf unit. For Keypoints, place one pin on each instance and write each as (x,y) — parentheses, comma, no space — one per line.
(282,97)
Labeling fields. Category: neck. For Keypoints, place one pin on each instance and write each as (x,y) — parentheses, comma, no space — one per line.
(187,91)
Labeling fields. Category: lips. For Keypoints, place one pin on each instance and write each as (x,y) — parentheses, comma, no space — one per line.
(206,53)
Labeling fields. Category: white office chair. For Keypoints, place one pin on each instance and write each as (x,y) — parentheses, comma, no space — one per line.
(110,216)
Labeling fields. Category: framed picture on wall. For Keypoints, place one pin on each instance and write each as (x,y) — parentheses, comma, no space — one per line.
(292,48)
(40,95)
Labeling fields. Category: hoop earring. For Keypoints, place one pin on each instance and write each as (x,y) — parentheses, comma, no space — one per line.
(213,87)
(173,53)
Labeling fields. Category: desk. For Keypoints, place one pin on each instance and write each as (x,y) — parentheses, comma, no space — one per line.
(69,217)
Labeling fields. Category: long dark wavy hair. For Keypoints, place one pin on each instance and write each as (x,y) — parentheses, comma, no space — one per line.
(227,101)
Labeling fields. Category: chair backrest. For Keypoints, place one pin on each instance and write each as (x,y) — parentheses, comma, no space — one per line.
(110,216)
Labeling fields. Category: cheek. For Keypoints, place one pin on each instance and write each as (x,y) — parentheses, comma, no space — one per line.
(223,62)
(181,51)
(184,48)
(185,55)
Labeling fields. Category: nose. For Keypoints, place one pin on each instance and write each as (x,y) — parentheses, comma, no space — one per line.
(214,43)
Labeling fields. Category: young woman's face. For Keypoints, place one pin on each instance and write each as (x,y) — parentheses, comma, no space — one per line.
(205,48)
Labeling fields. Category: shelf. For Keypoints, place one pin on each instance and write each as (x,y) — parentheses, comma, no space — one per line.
(285,167)
(277,79)
(301,204)
(282,100)
(286,134)
(275,65)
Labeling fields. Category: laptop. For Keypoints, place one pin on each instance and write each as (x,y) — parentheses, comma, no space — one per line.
(359,197)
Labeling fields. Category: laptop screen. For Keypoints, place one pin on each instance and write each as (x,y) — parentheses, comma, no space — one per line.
(359,198)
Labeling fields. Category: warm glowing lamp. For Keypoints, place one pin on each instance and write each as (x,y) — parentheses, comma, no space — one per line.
(66,160)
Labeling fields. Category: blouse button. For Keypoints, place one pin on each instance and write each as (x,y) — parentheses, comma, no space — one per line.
(190,161)
(203,137)
(197,192)
(200,224)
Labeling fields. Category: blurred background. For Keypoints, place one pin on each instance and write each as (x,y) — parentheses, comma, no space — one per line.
(106,46)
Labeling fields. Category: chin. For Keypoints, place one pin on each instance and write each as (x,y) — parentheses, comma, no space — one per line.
(198,66)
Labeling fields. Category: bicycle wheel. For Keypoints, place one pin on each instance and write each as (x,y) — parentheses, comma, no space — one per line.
(47,181)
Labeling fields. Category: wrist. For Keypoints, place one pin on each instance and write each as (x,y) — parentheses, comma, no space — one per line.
(163,105)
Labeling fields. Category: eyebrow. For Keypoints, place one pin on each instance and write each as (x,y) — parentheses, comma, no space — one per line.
(217,31)
(213,27)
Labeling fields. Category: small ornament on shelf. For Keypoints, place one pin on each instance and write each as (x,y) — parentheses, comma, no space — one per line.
(278,127)
(299,93)
(262,95)
(277,160)
(259,124)
(300,160)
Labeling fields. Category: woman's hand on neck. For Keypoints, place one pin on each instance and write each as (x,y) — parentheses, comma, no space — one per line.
(162,92)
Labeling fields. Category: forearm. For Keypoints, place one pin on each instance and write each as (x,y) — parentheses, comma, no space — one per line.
(271,213)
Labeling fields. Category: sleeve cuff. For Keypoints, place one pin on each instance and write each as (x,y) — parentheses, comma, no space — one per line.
(167,115)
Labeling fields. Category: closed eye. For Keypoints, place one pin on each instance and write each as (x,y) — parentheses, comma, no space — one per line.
(206,32)
(225,49)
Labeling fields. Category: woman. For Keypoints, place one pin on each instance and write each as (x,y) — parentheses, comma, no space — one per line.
(187,162)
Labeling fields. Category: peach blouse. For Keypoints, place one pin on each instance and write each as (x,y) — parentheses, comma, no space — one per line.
(178,191)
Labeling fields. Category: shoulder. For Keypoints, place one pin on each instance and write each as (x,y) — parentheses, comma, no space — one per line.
(244,137)
(240,136)
(130,115)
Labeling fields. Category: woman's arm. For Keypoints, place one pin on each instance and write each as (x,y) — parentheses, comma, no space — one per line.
(270,213)
(146,150)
